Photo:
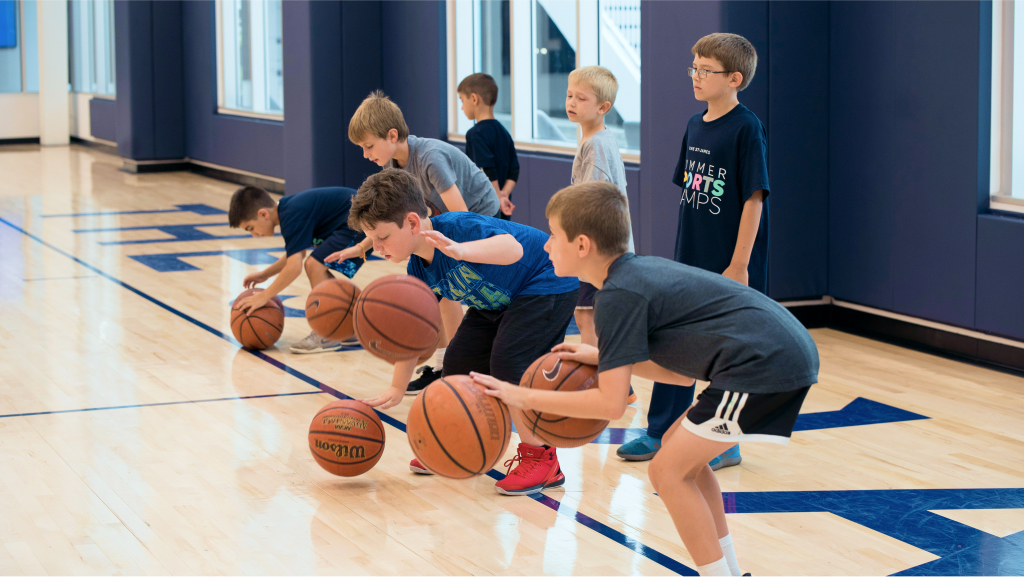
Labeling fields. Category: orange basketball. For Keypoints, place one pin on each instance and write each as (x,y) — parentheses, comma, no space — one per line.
(262,327)
(397,318)
(346,438)
(456,430)
(549,373)
(329,309)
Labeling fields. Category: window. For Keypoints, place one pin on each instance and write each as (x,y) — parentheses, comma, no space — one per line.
(250,61)
(1007,146)
(91,43)
(19,46)
(530,47)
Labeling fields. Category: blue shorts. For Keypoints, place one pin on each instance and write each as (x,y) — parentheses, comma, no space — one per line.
(339,240)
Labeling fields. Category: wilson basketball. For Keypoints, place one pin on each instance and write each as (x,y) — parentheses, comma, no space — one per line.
(397,318)
(260,328)
(346,438)
(549,373)
(456,430)
(329,309)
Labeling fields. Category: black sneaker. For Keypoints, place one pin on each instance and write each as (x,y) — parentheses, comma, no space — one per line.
(427,375)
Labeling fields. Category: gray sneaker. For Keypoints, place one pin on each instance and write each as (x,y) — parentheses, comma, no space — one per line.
(315,344)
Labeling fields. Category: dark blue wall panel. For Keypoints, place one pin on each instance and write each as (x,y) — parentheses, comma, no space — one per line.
(861,151)
(168,78)
(1000,308)
(415,64)
(103,118)
(935,189)
(797,72)
(235,141)
(362,70)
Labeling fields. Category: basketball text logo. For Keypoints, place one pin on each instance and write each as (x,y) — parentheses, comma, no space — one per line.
(345,423)
(342,450)
(485,406)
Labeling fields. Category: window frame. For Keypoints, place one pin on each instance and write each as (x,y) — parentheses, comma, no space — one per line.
(111,57)
(521,12)
(1002,96)
(221,109)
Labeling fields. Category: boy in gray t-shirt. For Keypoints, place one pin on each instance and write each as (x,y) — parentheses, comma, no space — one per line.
(590,96)
(669,322)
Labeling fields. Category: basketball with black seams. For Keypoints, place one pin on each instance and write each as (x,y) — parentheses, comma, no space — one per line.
(329,309)
(346,438)
(456,430)
(550,373)
(262,327)
(397,318)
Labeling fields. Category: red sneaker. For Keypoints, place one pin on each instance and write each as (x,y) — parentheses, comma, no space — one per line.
(537,470)
(416,467)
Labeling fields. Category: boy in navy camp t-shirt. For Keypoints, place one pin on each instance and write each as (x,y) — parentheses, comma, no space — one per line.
(518,308)
(723,208)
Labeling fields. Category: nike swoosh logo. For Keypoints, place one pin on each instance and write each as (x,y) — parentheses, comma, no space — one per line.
(550,375)
(315,305)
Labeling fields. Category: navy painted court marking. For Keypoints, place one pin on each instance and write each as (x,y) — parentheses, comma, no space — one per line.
(584,520)
(200,209)
(171,262)
(178,232)
(115,407)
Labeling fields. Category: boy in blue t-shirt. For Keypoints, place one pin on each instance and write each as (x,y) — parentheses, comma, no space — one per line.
(488,144)
(315,218)
(518,307)
(723,211)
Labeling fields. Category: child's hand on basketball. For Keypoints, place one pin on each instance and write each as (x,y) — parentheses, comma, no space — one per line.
(389,398)
(350,252)
(443,244)
(253,302)
(507,393)
(586,354)
(253,279)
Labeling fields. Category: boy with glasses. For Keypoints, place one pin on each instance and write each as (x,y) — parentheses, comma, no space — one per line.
(723,211)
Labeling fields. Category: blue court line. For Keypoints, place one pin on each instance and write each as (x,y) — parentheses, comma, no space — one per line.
(616,536)
(148,227)
(200,209)
(114,407)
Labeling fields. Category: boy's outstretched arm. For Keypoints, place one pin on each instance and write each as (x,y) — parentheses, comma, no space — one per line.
(608,401)
(289,272)
(750,220)
(399,383)
(453,200)
(502,249)
(254,278)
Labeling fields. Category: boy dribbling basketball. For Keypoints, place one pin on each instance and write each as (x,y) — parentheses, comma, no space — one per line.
(519,308)
(759,359)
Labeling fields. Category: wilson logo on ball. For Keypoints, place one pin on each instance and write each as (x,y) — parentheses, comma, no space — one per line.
(341,450)
(345,423)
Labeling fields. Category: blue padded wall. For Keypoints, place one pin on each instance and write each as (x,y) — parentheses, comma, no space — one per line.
(1000,308)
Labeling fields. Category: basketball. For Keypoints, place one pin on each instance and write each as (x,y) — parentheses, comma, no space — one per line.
(456,430)
(346,438)
(397,318)
(262,327)
(329,309)
(550,373)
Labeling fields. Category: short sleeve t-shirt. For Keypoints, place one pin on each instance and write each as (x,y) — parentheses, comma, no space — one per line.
(598,158)
(489,286)
(701,325)
(309,217)
(489,145)
(437,165)
(721,164)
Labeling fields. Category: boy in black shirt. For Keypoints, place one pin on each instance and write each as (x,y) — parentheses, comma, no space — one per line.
(488,144)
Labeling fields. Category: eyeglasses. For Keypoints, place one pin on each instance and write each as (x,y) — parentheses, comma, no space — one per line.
(702,74)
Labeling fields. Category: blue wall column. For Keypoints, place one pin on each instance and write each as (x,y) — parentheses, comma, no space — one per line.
(150,105)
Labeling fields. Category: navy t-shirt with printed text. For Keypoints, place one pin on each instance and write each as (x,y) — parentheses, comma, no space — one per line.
(309,217)
(721,164)
(489,286)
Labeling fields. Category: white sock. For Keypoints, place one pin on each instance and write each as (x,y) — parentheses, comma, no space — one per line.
(730,554)
(719,567)
(439,358)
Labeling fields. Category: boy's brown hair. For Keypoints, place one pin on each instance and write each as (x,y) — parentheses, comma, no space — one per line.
(734,52)
(245,203)
(595,209)
(599,79)
(387,196)
(375,117)
(480,84)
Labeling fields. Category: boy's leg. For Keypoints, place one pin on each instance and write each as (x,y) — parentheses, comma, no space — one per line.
(668,403)
(451,317)
(317,271)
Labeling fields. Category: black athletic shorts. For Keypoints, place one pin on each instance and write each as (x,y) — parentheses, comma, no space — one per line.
(505,343)
(339,240)
(586,298)
(731,417)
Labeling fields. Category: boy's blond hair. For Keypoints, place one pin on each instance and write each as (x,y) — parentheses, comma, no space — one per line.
(599,79)
(375,117)
(595,209)
(735,53)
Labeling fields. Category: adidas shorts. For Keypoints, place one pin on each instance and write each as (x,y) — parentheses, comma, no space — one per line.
(731,417)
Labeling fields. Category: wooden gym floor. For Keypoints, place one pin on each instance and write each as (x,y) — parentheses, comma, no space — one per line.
(137,438)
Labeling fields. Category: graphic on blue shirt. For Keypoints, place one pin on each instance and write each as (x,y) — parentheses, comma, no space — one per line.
(489,286)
